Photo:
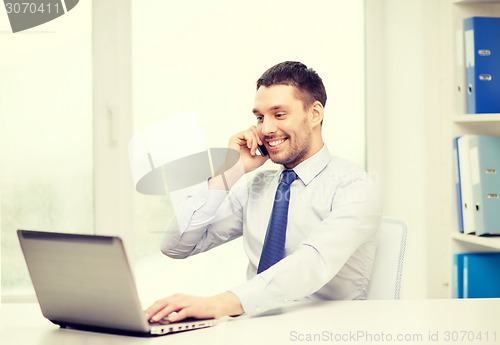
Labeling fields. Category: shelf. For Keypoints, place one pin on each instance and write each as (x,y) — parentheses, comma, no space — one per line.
(490,242)
(473,1)
(477,118)
(481,124)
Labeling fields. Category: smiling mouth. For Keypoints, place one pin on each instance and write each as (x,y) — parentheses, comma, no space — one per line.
(276,143)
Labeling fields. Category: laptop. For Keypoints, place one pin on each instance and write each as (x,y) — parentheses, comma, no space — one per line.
(85,282)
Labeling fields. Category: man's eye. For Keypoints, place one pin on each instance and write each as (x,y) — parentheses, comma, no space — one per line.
(279,115)
(259,118)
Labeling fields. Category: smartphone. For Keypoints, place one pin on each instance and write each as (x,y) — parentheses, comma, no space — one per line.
(263,150)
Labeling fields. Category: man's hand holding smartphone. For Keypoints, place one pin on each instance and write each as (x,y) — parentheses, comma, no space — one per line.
(252,153)
(247,143)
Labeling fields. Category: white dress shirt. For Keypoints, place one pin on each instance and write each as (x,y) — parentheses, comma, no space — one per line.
(333,219)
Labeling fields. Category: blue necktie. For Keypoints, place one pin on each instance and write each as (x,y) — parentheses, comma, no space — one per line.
(274,245)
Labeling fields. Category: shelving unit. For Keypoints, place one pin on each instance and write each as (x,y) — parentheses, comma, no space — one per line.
(483,124)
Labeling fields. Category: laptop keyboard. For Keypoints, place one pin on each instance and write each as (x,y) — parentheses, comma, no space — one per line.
(164,322)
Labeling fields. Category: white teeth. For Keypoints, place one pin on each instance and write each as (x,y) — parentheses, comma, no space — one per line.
(276,142)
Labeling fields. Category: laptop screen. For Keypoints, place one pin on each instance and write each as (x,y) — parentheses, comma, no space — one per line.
(83,279)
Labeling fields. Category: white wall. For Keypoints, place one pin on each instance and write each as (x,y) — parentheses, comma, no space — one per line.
(405,130)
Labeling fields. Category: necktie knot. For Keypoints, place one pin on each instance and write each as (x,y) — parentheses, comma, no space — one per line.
(288,176)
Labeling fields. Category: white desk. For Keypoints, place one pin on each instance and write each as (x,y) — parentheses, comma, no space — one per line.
(473,321)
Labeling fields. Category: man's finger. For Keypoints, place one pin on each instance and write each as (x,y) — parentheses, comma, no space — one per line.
(154,308)
(179,315)
(162,313)
(254,130)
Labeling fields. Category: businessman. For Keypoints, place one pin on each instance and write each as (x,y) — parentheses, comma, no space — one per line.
(309,227)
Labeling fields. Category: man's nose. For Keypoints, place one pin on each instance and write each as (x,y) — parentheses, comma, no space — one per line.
(268,126)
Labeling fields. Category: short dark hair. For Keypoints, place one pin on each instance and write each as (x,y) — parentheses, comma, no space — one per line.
(306,80)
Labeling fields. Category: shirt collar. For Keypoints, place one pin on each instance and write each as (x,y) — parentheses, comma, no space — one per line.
(311,167)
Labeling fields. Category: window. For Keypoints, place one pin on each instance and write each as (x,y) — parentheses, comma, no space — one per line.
(46,136)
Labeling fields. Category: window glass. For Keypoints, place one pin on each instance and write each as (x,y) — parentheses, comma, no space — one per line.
(46,135)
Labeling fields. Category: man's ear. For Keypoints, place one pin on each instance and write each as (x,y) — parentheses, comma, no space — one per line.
(316,113)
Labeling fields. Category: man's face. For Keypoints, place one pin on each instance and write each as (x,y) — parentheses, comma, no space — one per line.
(283,124)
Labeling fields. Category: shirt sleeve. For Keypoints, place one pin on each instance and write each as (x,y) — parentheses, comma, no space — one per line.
(354,219)
(207,219)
